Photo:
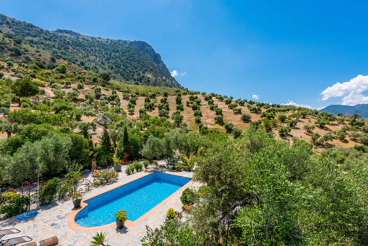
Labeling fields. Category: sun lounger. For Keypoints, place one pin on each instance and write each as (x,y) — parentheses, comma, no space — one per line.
(9,231)
(15,241)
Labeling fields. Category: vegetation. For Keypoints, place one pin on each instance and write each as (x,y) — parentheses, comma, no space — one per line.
(121,216)
(257,190)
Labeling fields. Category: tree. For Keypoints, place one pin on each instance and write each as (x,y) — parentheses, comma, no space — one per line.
(282,118)
(105,77)
(246,117)
(229,127)
(106,141)
(125,138)
(178,118)
(154,148)
(309,128)
(341,135)
(115,135)
(283,131)
(62,68)
(219,119)
(237,132)
(10,128)
(25,88)
(314,138)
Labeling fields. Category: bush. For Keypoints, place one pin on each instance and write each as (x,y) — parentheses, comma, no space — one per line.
(132,168)
(203,190)
(237,132)
(198,113)
(64,190)
(49,191)
(80,85)
(17,205)
(137,166)
(219,120)
(128,171)
(145,164)
(24,105)
(283,131)
(170,214)
(107,176)
(189,197)
(229,127)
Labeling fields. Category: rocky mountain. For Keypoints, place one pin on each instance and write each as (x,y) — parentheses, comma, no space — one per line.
(361,109)
(127,61)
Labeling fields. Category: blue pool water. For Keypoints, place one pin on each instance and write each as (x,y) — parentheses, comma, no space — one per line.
(136,198)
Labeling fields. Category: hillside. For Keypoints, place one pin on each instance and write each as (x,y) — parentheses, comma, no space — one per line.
(128,61)
(361,109)
(200,112)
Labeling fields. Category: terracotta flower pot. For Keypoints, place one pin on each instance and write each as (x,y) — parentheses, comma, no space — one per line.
(188,207)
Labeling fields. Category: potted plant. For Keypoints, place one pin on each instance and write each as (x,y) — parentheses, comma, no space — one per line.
(188,198)
(120,219)
(117,165)
(77,198)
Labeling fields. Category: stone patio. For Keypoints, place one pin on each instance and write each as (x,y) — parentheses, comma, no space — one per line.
(52,221)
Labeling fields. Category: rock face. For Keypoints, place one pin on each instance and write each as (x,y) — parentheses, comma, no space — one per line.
(150,52)
(104,120)
(133,62)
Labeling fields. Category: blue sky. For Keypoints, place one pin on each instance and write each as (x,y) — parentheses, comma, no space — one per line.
(281,51)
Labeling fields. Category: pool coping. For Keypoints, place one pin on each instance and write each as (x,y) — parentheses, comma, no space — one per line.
(74,226)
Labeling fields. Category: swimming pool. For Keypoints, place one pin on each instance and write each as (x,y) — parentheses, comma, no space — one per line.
(136,198)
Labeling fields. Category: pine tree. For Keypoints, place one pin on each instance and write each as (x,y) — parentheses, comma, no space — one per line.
(125,139)
(106,141)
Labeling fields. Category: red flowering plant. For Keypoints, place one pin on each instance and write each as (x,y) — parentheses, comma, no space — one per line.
(74,177)
(125,160)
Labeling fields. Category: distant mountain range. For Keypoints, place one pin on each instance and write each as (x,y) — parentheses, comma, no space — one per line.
(361,109)
(133,62)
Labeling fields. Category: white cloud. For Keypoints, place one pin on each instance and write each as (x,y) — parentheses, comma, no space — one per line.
(351,91)
(175,73)
(291,103)
(256,97)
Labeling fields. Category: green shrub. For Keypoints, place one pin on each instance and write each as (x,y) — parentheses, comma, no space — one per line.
(17,205)
(121,216)
(170,214)
(107,176)
(9,196)
(80,85)
(138,166)
(132,168)
(128,171)
(64,190)
(203,190)
(145,164)
(49,191)
(189,197)
(24,105)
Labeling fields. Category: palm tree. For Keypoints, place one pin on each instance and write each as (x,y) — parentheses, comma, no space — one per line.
(99,239)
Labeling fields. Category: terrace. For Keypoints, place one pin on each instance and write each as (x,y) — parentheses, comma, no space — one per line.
(53,219)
